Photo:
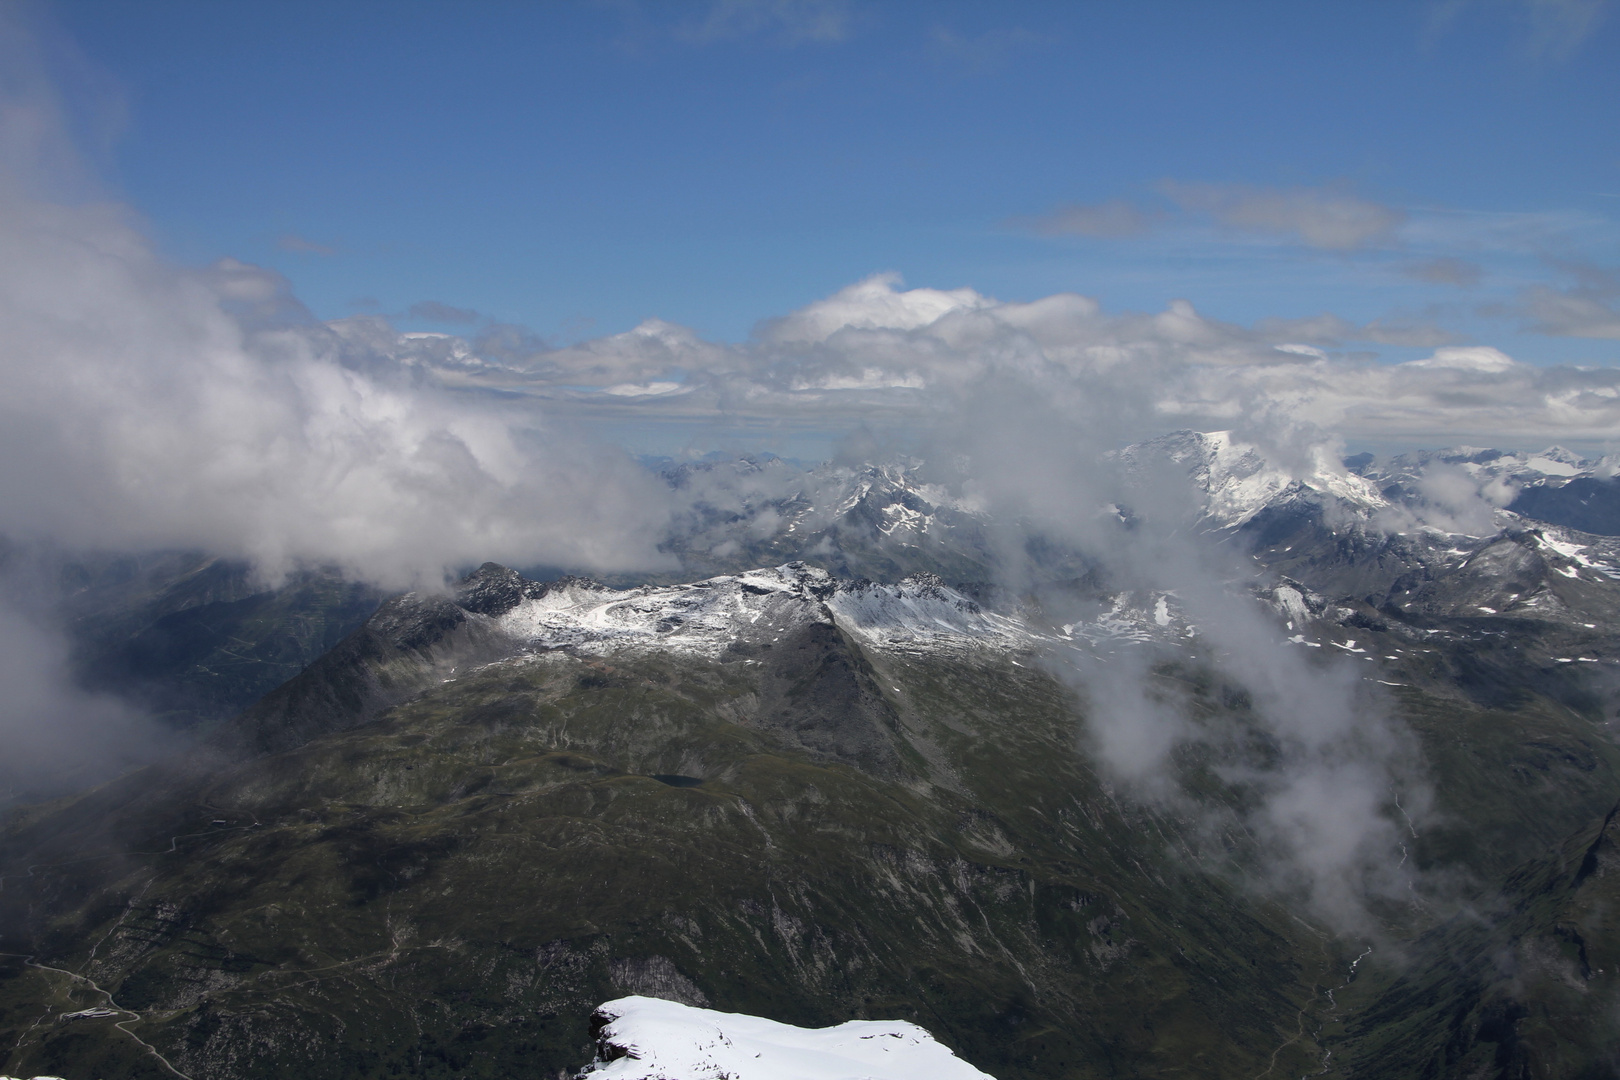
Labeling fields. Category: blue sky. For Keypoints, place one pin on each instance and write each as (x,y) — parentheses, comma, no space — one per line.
(577,168)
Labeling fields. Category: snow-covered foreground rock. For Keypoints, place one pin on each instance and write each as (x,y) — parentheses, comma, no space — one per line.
(643,1038)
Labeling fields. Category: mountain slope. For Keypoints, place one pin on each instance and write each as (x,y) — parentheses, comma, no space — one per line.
(195,639)
(1530,988)
(450,887)
(811,797)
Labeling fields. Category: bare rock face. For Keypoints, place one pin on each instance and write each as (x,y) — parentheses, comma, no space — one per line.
(821,693)
(655,977)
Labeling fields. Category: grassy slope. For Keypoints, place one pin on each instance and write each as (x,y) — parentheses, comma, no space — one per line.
(449,891)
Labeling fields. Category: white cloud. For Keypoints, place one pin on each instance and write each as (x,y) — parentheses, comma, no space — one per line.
(874,350)
(655,389)
(1481,359)
(146,406)
(873,304)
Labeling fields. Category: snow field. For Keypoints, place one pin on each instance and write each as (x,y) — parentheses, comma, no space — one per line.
(649,1039)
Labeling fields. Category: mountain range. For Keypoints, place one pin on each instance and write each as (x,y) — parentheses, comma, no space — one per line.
(844,764)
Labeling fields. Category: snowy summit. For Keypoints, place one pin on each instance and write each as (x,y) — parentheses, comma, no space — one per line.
(640,1038)
(704,617)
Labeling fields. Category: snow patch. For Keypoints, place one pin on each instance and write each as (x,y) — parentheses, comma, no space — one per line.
(1238,482)
(1552,467)
(1292,603)
(1126,622)
(704,618)
(920,611)
(647,1039)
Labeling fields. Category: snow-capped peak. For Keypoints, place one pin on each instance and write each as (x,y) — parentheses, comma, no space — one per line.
(705,617)
(1238,482)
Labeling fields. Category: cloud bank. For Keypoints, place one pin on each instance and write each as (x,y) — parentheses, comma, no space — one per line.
(875,352)
(147,406)
(56,736)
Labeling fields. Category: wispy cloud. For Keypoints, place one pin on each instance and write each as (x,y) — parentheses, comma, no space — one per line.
(1113,218)
(983,52)
(434,311)
(789,22)
(303,246)
(1329,218)
(1445,271)
(1590,308)
(57,736)
(1554,30)
(1559,27)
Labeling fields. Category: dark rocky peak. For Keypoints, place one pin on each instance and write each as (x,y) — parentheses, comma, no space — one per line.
(415,621)
(413,642)
(924,581)
(810,582)
(494,589)
(1512,558)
